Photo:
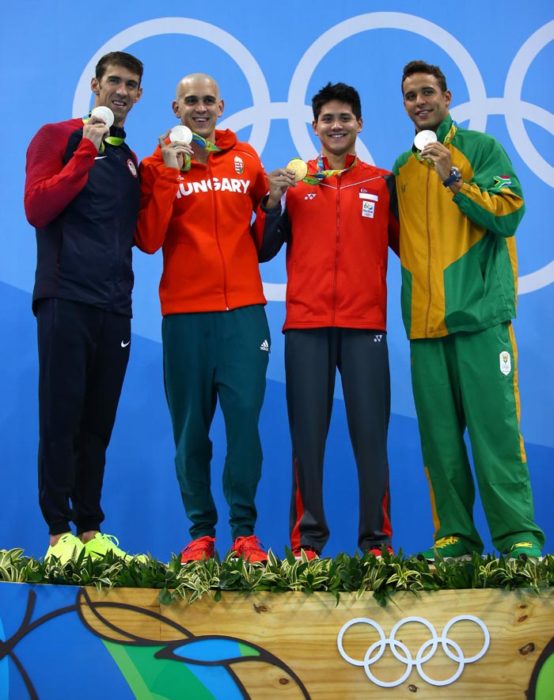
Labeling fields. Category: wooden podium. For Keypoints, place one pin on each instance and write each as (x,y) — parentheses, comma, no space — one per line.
(488,644)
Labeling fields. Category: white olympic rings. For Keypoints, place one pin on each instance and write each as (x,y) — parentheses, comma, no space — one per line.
(401,652)
(298,114)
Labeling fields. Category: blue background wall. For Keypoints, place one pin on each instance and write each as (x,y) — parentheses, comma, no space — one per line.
(498,59)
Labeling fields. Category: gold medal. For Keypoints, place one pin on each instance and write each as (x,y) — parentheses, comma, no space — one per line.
(299,168)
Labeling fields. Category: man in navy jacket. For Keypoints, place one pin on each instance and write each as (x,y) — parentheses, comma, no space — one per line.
(82,196)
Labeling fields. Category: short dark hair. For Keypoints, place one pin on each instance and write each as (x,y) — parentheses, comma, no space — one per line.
(340,92)
(119,58)
(423,67)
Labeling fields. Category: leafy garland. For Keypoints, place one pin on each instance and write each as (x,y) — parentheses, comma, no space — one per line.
(357,574)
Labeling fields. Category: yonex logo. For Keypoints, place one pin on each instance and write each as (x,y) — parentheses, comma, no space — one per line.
(377,338)
(264,346)
(310,195)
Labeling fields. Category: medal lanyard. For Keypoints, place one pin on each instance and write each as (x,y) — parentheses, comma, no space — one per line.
(112,140)
(203,143)
(320,175)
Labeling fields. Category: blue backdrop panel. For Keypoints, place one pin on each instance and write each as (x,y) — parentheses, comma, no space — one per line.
(269,62)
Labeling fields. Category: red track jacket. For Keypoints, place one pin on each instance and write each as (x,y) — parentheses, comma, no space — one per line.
(202,219)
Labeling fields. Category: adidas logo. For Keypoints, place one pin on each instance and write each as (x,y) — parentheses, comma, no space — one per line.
(264,346)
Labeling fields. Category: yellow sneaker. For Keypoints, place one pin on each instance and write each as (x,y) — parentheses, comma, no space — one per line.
(101,544)
(66,549)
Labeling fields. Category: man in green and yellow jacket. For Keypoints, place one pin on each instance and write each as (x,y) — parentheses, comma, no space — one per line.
(459,205)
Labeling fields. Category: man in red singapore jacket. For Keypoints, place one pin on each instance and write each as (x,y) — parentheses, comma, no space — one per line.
(196,204)
(338,226)
(82,196)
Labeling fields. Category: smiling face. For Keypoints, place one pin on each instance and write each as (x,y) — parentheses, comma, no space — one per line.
(337,129)
(198,104)
(424,101)
(119,89)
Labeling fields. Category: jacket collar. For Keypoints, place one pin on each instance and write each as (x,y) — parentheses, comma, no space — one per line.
(444,128)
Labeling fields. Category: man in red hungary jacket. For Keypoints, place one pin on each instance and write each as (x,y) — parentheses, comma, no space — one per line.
(196,204)
(337,224)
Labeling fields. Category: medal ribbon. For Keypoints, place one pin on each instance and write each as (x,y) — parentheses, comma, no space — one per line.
(112,140)
(320,175)
(203,143)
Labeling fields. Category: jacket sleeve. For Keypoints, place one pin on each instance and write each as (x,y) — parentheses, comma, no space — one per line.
(493,198)
(276,231)
(158,188)
(394,227)
(258,195)
(49,184)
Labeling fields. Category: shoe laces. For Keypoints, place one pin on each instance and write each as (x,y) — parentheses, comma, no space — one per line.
(200,544)
(111,543)
(523,545)
(248,545)
(445,541)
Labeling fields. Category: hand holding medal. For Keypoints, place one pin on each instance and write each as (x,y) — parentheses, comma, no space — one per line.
(431,151)
(103,114)
(298,168)
(424,138)
(176,147)
(283,178)
(97,127)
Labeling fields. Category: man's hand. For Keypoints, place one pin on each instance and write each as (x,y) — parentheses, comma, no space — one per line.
(95,130)
(439,154)
(279,182)
(174,152)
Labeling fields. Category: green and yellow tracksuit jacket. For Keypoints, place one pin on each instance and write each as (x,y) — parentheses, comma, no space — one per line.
(458,255)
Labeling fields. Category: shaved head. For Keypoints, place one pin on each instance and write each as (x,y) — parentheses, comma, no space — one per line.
(196,81)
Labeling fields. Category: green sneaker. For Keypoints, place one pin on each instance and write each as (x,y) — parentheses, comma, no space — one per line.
(66,549)
(524,551)
(101,544)
(451,548)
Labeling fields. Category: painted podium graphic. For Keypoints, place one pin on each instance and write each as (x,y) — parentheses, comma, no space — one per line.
(63,641)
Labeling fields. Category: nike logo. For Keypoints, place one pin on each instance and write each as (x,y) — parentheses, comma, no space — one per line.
(99,157)
(124,344)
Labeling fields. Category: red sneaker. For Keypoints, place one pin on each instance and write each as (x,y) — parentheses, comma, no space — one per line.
(378,551)
(249,549)
(199,549)
(308,551)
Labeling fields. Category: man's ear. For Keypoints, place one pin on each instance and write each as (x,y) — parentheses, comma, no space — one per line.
(95,86)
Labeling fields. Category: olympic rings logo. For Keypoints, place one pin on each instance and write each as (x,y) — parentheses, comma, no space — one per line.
(426,651)
(298,114)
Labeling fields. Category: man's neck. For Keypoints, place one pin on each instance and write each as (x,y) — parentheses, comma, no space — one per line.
(201,154)
(336,162)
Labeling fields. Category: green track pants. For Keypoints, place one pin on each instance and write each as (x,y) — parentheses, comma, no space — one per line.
(209,357)
(470,380)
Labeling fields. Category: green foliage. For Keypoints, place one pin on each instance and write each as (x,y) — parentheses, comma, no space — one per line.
(383,576)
